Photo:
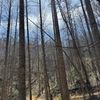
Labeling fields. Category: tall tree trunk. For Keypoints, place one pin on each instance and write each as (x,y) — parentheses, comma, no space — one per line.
(21,69)
(89,49)
(29,57)
(71,31)
(61,72)
(86,20)
(13,58)
(95,30)
(90,34)
(4,87)
(77,50)
(46,80)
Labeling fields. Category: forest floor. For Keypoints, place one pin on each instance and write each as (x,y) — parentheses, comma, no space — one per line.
(80,97)
(74,97)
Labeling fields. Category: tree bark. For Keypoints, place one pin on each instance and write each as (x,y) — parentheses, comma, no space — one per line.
(21,69)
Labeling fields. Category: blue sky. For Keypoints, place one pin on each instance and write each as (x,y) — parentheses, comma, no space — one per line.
(33,14)
(75,1)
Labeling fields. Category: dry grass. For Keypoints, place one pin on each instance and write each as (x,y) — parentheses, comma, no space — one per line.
(34,98)
(75,97)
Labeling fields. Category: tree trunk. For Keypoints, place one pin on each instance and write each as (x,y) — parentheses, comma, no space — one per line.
(72,33)
(90,35)
(4,87)
(61,72)
(29,57)
(46,80)
(21,69)
(95,30)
